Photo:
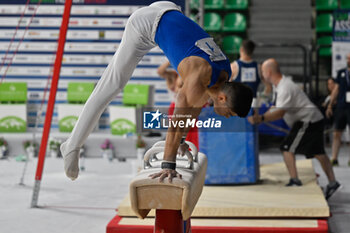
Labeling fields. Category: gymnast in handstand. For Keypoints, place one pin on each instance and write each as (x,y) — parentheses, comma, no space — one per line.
(201,64)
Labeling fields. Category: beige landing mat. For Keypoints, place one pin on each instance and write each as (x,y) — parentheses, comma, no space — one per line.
(269,199)
(287,223)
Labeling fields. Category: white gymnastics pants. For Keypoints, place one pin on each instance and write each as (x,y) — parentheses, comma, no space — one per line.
(137,40)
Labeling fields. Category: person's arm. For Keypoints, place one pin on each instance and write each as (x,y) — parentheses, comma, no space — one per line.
(163,69)
(274,115)
(169,75)
(234,70)
(266,92)
(174,135)
(283,103)
(334,95)
(185,106)
(326,101)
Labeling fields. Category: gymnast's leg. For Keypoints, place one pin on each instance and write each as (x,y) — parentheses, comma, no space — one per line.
(131,50)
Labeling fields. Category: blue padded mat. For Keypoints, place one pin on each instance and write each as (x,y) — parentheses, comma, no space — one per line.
(232,151)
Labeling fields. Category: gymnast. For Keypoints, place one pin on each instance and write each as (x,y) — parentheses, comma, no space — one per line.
(201,64)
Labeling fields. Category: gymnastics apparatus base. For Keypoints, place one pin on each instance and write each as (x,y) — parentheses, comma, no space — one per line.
(265,207)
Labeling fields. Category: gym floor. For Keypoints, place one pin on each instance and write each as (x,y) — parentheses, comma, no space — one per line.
(88,204)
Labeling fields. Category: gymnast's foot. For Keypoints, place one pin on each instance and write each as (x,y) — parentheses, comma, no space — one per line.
(71,161)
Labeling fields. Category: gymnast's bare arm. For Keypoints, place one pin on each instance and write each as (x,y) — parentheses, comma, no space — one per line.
(196,74)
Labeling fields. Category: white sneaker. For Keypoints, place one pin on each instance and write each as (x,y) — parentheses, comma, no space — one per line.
(71,161)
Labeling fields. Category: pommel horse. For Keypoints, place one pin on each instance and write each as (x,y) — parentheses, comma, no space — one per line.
(174,202)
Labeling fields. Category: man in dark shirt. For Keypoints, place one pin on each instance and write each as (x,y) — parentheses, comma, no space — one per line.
(341,95)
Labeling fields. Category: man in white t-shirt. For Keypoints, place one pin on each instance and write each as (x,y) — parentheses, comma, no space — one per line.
(305,121)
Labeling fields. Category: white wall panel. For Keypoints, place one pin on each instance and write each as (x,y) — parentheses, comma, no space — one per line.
(76,9)
(94,34)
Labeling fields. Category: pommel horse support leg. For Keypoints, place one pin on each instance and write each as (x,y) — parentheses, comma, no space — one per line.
(174,202)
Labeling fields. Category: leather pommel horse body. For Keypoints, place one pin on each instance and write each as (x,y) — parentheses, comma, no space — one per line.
(174,202)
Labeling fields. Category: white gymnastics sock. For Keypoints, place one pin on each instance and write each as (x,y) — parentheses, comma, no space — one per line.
(71,161)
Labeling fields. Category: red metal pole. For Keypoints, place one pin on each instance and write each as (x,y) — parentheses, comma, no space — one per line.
(51,101)
(170,221)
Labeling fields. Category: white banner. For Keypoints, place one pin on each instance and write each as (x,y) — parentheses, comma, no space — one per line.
(36,56)
(63,83)
(74,59)
(71,34)
(341,40)
(72,71)
(163,97)
(56,22)
(153,60)
(69,47)
(76,9)
(69,110)
(158,84)
(340,50)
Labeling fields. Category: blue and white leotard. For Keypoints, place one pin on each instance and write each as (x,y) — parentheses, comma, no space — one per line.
(179,37)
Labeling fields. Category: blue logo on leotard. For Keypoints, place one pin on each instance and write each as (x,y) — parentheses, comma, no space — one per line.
(211,48)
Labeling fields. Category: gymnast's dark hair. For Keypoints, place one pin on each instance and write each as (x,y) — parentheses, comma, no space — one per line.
(248,47)
(239,97)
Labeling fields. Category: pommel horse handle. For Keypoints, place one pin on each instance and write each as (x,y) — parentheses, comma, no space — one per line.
(173,202)
(158,147)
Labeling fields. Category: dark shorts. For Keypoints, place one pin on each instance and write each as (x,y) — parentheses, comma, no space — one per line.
(341,118)
(305,138)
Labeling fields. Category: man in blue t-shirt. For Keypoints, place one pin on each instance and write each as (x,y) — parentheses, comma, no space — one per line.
(248,71)
(341,96)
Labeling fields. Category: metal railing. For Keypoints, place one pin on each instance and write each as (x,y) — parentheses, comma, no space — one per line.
(317,72)
(200,13)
